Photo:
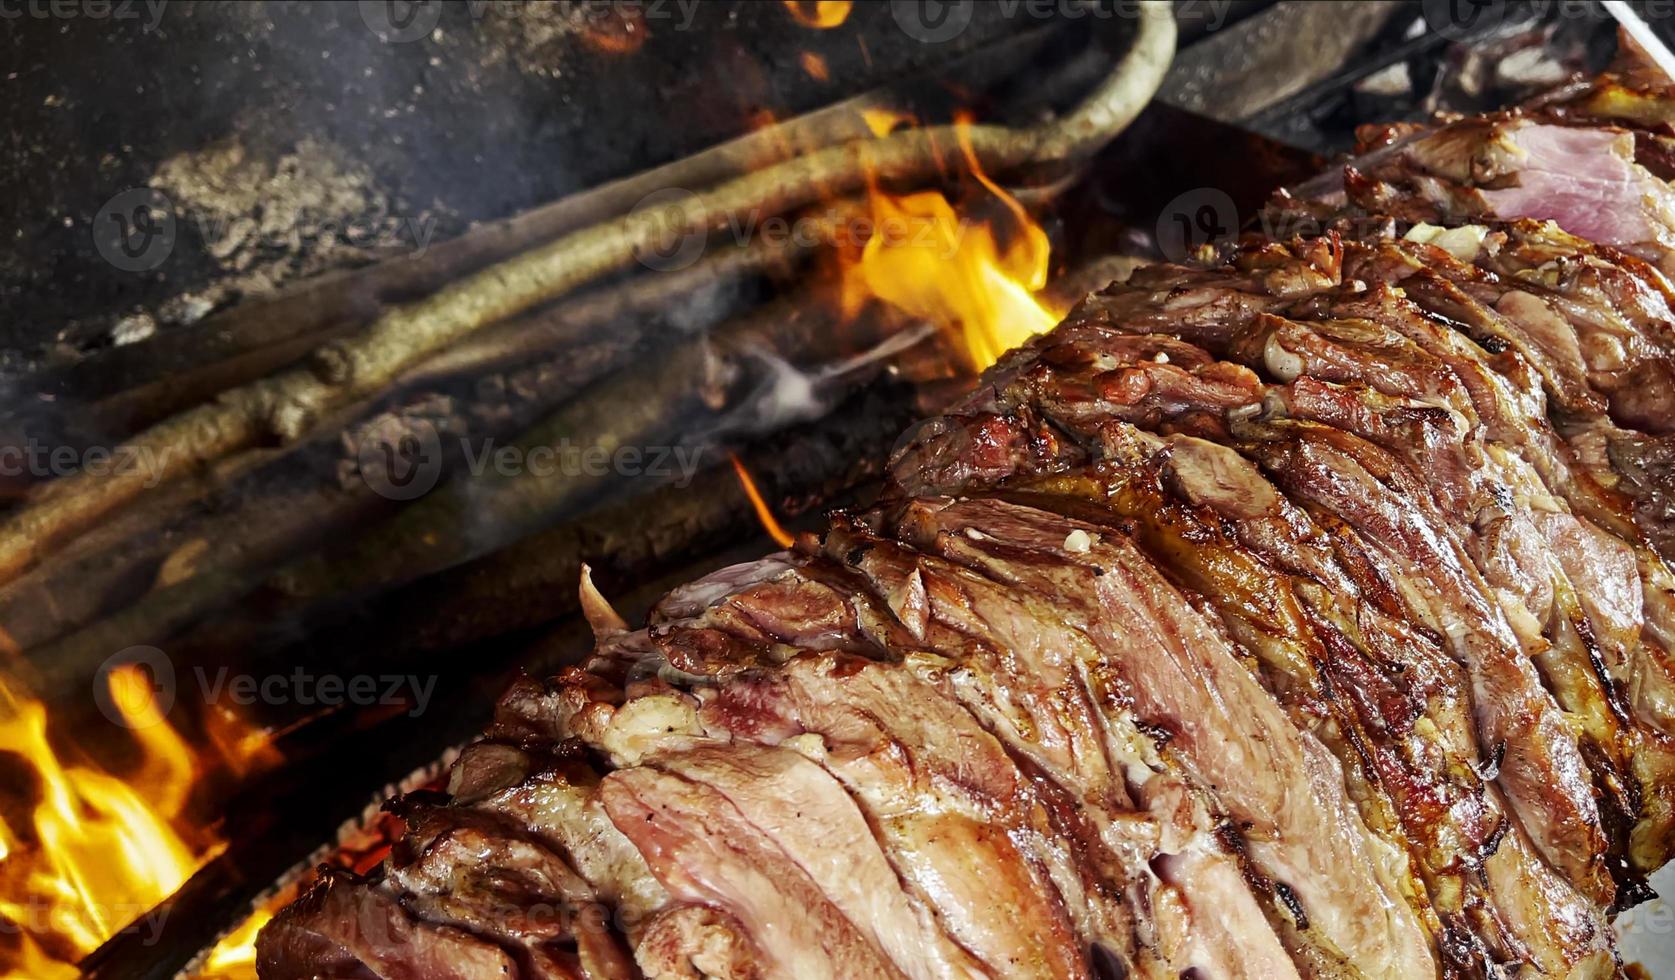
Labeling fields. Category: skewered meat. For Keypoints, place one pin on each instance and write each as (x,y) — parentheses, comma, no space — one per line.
(1303,614)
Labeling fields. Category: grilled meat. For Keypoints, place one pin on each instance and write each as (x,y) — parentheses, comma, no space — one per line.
(1304,614)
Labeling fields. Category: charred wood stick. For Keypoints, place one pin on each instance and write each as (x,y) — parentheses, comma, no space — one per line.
(531,334)
(297,497)
(287,404)
(198,555)
(279,503)
(178,368)
(294,500)
(465,518)
(690,300)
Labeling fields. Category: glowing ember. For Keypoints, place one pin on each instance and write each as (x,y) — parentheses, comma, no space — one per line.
(821,14)
(974,280)
(621,30)
(763,513)
(97,852)
(234,958)
(815,66)
(360,849)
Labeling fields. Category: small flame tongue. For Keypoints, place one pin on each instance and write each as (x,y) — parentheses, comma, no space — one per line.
(764,513)
(930,262)
(235,956)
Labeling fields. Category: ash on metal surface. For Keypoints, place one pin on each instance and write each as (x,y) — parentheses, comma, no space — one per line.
(267,221)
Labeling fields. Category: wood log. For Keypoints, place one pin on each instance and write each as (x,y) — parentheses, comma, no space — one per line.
(465,518)
(268,505)
(168,391)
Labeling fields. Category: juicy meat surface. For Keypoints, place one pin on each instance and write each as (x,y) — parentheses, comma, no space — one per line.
(1303,613)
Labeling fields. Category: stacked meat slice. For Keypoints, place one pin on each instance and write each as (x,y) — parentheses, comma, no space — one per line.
(1307,613)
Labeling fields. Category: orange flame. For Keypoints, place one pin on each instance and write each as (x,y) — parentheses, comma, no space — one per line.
(763,512)
(883,122)
(928,261)
(234,957)
(820,14)
(99,851)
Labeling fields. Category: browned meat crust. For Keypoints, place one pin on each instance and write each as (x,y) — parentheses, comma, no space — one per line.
(1306,614)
